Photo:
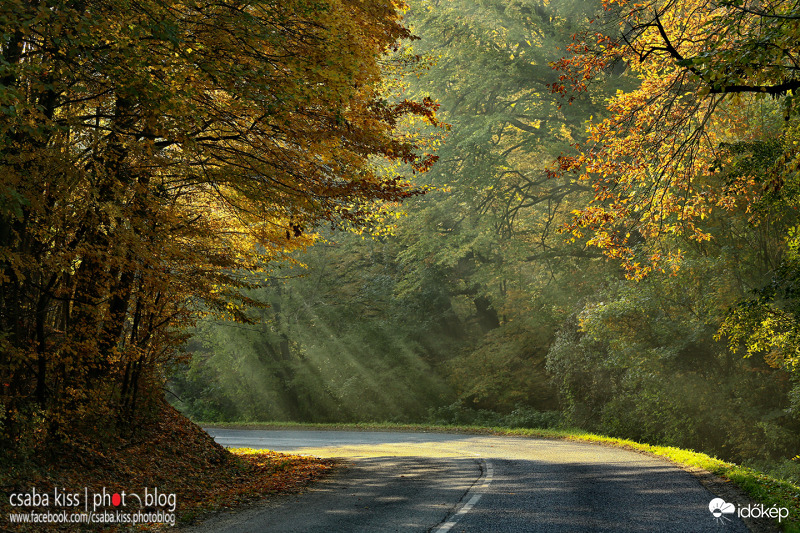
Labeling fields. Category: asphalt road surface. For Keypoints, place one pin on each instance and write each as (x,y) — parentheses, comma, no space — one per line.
(453,483)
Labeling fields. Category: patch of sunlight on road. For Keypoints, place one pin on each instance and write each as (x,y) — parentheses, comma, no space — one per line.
(359,451)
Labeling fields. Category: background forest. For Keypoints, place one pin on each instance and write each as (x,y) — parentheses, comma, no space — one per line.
(156,159)
(609,241)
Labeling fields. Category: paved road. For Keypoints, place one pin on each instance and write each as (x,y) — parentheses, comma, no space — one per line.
(443,483)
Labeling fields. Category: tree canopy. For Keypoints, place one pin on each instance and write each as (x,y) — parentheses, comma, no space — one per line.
(153,157)
(607,238)
(680,145)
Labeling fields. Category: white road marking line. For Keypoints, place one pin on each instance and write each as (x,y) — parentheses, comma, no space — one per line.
(488,475)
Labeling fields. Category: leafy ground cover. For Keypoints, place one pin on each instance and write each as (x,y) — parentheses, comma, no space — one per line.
(175,456)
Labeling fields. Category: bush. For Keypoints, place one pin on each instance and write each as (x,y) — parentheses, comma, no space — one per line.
(525,417)
(456,414)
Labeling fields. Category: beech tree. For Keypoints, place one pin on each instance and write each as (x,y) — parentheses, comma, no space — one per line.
(675,149)
(153,155)
(482,245)
(709,137)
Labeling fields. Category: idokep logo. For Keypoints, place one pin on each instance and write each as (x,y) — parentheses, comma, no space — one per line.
(719,508)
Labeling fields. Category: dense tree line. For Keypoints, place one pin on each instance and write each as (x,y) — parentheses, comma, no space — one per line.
(155,158)
(463,262)
(610,231)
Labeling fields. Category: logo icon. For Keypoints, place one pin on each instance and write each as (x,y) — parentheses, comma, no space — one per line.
(719,508)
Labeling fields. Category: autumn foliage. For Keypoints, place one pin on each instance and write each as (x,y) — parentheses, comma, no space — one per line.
(177,457)
(671,151)
(150,154)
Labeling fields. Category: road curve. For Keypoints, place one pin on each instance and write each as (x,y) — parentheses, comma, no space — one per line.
(466,483)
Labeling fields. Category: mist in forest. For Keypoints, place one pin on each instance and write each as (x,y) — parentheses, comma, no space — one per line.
(487,304)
